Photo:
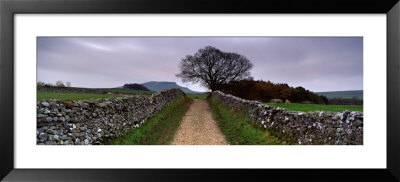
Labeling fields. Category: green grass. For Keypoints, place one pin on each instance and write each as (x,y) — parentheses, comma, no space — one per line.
(237,127)
(158,130)
(317,107)
(72,96)
(127,91)
(196,96)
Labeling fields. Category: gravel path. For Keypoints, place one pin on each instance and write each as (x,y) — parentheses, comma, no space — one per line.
(198,127)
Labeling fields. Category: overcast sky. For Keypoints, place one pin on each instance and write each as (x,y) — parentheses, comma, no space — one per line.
(315,63)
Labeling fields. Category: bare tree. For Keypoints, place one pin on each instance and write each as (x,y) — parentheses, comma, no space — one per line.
(68,84)
(60,84)
(211,67)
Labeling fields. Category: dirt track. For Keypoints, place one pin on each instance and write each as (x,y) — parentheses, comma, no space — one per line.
(198,127)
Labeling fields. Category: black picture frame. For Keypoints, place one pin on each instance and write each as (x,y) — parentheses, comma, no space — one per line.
(8,8)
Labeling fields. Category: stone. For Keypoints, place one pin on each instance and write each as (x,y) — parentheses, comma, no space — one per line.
(65,137)
(68,103)
(358,123)
(50,131)
(102,105)
(45,104)
(50,137)
(49,119)
(75,104)
(50,142)
(56,137)
(43,136)
(46,111)
(276,101)
(67,118)
(83,128)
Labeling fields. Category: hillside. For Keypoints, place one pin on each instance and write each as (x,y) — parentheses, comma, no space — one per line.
(158,86)
(135,86)
(358,94)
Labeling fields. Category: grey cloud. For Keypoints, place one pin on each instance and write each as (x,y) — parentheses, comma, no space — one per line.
(316,63)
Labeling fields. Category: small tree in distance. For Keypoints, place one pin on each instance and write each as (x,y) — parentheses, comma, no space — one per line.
(40,84)
(211,67)
(60,84)
(68,84)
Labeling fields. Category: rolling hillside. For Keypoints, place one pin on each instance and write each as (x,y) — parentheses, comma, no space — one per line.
(358,94)
(158,86)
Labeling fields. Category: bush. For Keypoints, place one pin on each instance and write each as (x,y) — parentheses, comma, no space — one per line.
(135,86)
(265,91)
(40,84)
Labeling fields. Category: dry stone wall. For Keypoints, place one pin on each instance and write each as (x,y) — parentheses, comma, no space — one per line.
(321,128)
(96,121)
(73,90)
(85,90)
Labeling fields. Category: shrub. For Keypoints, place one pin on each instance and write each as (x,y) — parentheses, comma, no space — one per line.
(135,86)
(265,91)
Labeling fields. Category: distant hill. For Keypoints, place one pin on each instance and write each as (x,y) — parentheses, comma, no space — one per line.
(158,86)
(135,86)
(358,94)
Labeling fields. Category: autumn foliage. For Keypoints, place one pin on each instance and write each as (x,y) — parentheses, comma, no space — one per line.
(265,91)
(135,86)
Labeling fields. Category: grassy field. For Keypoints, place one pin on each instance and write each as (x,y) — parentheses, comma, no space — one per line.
(237,127)
(160,129)
(72,96)
(317,107)
(196,96)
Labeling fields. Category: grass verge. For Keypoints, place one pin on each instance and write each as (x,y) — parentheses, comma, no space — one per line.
(317,107)
(160,129)
(237,127)
(72,96)
(196,96)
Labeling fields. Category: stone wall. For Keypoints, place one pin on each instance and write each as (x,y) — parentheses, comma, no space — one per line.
(321,128)
(72,90)
(96,121)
